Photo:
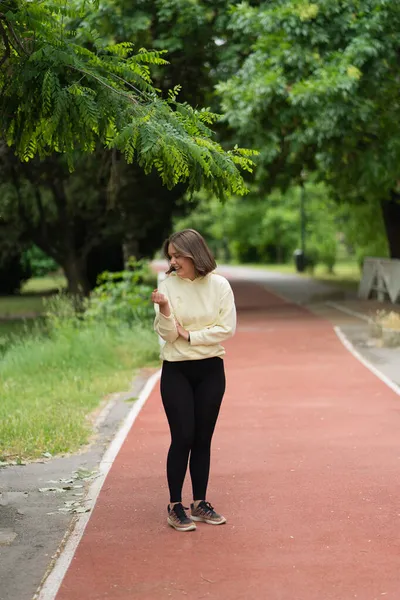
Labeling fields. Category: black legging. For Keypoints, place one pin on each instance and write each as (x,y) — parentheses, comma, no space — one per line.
(192,392)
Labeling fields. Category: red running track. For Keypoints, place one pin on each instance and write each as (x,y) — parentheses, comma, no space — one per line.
(305,467)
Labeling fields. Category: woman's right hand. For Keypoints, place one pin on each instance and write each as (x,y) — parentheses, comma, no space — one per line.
(159,298)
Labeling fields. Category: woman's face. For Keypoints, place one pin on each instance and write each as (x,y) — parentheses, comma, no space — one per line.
(183,265)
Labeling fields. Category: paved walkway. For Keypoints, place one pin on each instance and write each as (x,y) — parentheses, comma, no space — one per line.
(306,459)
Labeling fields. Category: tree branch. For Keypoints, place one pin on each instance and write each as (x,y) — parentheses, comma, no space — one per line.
(100,80)
(7,52)
(14,35)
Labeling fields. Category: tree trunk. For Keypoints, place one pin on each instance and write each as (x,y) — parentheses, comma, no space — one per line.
(391,219)
(130,249)
(75,272)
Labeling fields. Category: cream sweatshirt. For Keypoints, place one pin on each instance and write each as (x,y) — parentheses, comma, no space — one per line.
(205,307)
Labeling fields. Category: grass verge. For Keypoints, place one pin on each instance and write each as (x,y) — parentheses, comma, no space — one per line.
(11,327)
(30,302)
(44,285)
(20,306)
(50,385)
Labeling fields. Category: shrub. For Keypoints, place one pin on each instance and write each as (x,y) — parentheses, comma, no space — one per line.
(40,263)
(122,297)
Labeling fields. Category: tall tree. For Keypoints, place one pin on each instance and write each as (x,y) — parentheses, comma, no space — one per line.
(61,96)
(71,218)
(69,89)
(319,91)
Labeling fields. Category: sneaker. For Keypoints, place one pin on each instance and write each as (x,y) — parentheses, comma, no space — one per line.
(206,513)
(178,519)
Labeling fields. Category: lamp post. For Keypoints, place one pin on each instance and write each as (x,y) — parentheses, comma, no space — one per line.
(303,219)
(300,253)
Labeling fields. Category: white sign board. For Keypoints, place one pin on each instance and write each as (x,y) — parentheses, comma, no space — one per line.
(382,276)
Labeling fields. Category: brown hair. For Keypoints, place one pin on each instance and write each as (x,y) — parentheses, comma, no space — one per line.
(191,244)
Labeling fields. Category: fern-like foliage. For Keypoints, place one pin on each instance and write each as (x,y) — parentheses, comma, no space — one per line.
(61,96)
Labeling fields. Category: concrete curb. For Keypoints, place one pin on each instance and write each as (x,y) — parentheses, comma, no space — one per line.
(349,346)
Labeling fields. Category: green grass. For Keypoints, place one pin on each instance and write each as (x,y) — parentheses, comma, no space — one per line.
(50,385)
(346,275)
(13,328)
(44,285)
(30,302)
(20,306)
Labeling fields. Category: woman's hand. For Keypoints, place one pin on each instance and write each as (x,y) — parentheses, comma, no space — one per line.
(162,301)
(182,332)
(159,298)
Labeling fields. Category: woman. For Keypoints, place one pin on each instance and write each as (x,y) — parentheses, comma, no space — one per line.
(195,312)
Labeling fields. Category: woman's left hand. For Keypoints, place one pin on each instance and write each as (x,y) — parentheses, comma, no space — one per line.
(182,332)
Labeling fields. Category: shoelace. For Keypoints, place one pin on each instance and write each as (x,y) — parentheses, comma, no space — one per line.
(179,510)
(206,506)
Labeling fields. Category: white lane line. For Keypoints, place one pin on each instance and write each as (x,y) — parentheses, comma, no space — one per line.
(349,346)
(349,311)
(53,582)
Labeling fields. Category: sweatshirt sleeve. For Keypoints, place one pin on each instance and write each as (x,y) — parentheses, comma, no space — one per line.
(224,329)
(165,326)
